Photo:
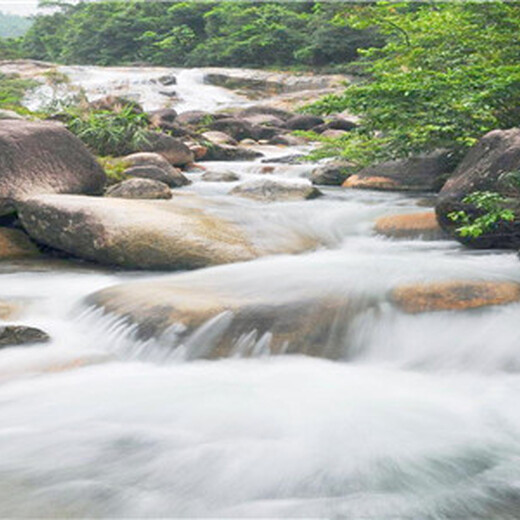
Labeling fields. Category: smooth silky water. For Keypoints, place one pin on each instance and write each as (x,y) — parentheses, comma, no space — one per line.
(416,418)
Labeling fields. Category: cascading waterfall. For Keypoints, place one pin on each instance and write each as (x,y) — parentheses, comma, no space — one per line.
(415,416)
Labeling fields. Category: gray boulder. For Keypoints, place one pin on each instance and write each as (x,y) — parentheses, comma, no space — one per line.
(44,157)
(173,178)
(140,189)
(493,164)
(426,172)
(135,234)
(303,122)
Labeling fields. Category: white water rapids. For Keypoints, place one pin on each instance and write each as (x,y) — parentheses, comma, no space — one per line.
(419,419)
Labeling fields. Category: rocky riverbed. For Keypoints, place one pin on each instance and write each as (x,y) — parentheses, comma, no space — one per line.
(271,338)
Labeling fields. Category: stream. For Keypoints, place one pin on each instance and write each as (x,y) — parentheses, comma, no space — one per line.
(415,416)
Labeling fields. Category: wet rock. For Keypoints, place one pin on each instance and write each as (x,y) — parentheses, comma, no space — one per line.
(175,310)
(267,190)
(420,173)
(136,234)
(167,80)
(248,142)
(172,176)
(44,158)
(303,122)
(199,151)
(16,244)
(227,152)
(173,150)
(165,120)
(411,225)
(332,174)
(340,123)
(454,295)
(220,177)
(296,158)
(491,165)
(194,117)
(217,137)
(12,335)
(140,189)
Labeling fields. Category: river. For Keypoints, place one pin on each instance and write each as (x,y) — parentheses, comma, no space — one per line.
(416,416)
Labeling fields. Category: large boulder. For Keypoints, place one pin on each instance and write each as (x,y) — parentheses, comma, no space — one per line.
(136,234)
(16,244)
(491,165)
(266,190)
(207,314)
(425,172)
(173,150)
(44,158)
(140,189)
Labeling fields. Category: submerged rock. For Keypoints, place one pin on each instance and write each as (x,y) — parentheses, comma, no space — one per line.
(271,191)
(454,295)
(411,225)
(16,244)
(211,321)
(44,158)
(135,234)
(140,189)
(12,335)
(220,177)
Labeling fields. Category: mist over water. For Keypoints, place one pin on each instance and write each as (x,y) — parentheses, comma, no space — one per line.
(416,417)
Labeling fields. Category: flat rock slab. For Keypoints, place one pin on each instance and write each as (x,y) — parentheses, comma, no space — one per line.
(273,191)
(454,295)
(410,225)
(136,234)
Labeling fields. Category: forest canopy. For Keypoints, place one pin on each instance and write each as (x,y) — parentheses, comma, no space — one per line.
(196,34)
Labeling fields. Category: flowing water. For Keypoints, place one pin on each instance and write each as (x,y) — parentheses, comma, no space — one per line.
(416,418)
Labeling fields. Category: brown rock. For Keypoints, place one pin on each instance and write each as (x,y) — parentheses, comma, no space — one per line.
(370,183)
(44,158)
(410,225)
(271,191)
(173,150)
(16,244)
(454,295)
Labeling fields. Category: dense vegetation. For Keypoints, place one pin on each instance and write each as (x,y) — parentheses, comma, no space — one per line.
(196,34)
(447,74)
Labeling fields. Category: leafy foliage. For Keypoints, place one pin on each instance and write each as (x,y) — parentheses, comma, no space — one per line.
(13,89)
(492,210)
(109,133)
(230,33)
(447,74)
